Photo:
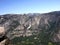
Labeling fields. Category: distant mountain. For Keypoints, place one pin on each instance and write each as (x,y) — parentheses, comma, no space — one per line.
(17,25)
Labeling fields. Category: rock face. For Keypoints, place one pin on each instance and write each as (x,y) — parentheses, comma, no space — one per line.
(17,25)
(2,31)
(3,39)
(3,42)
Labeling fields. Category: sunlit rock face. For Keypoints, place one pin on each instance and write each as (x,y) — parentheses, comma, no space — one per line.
(3,38)
(3,42)
(2,31)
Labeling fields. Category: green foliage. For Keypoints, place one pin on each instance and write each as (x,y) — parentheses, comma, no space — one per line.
(50,43)
(31,40)
(45,35)
(25,40)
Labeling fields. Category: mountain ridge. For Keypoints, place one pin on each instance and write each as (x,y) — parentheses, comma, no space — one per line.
(17,25)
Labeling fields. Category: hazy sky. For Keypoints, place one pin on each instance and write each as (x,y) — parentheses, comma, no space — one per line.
(28,6)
